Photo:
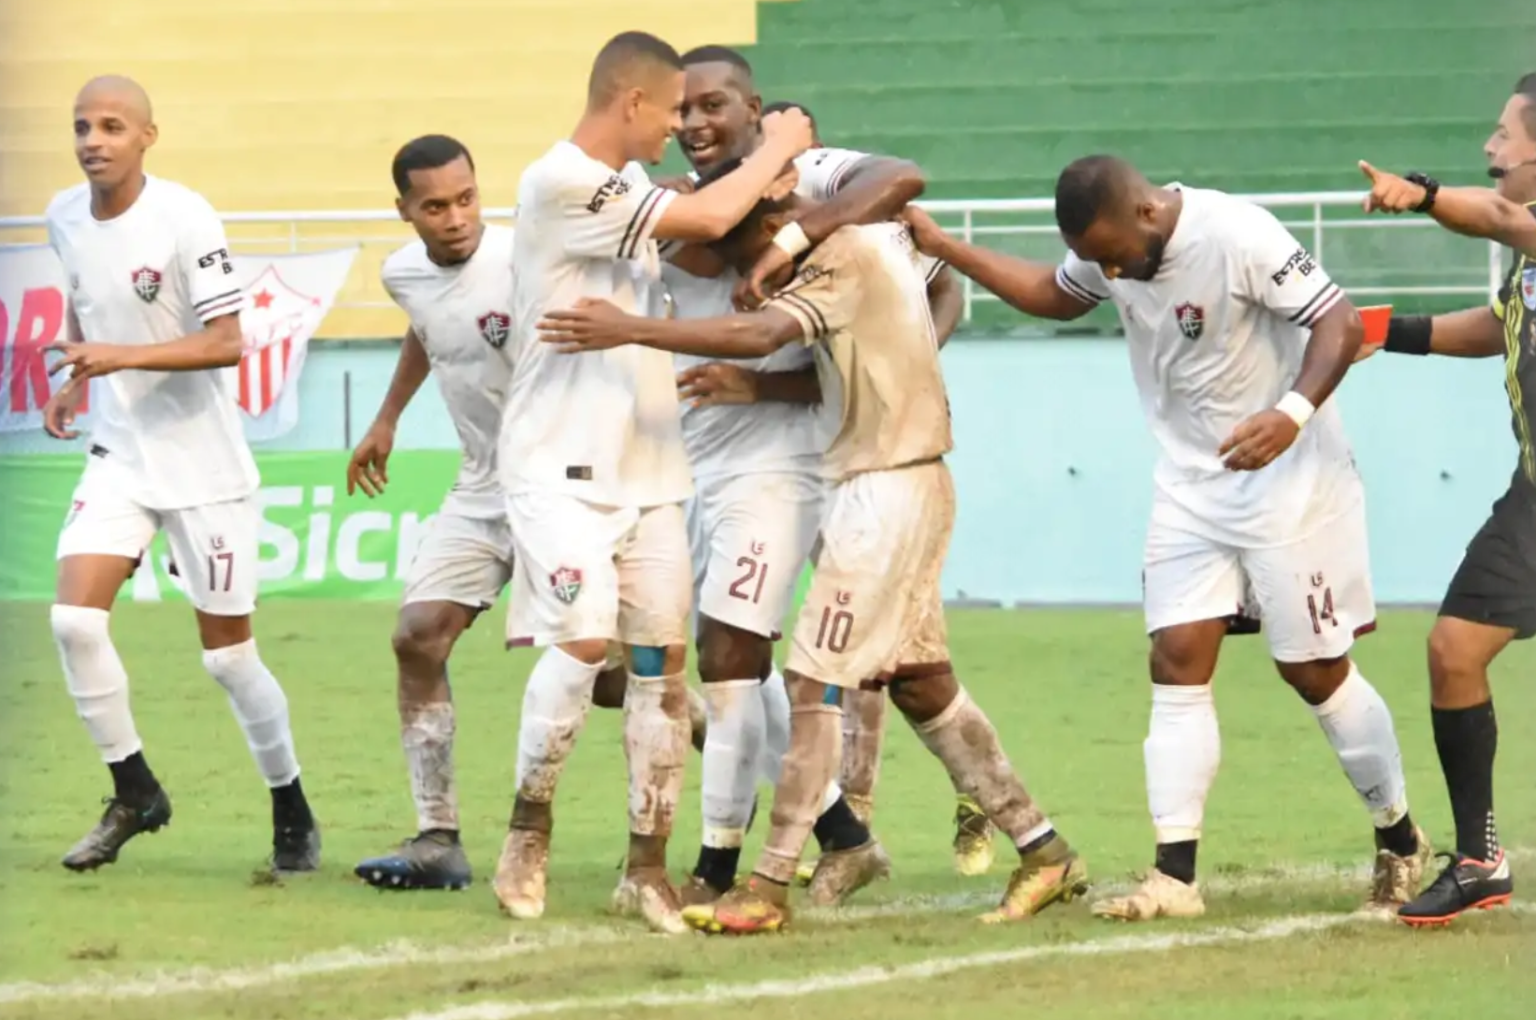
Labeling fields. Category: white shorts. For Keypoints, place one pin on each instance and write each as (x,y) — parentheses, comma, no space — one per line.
(213,547)
(586,571)
(465,560)
(1313,595)
(875,609)
(751,536)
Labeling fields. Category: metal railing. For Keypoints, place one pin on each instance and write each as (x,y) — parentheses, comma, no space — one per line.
(1328,218)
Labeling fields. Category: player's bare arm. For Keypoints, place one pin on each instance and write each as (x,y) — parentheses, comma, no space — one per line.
(722,382)
(1030,287)
(599,325)
(1474,212)
(1335,341)
(707,214)
(59,413)
(219,344)
(368,468)
(875,189)
(946,301)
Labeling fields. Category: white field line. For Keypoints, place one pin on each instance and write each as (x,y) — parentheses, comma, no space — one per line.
(206,980)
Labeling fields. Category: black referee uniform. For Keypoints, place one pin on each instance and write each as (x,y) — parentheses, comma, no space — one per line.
(1496,582)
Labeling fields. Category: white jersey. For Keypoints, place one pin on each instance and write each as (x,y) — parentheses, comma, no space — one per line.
(158,272)
(730,441)
(1216,337)
(463,316)
(603,425)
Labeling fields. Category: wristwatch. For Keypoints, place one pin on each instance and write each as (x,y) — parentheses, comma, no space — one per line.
(1431,189)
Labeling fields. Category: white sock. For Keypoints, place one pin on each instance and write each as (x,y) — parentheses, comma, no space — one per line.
(555,705)
(260,706)
(733,751)
(1358,724)
(1183,750)
(426,734)
(656,741)
(833,795)
(775,726)
(96,679)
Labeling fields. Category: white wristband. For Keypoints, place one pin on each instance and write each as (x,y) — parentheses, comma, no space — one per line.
(1297,408)
(791,240)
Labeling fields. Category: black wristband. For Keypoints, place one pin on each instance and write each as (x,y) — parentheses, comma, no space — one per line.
(1408,334)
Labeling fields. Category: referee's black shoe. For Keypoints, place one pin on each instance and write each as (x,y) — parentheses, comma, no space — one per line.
(1465,884)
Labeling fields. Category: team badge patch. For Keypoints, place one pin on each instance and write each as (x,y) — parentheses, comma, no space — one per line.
(495,327)
(566,584)
(146,284)
(1191,320)
(1528,287)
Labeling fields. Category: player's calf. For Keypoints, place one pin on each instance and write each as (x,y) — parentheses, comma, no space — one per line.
(959,734)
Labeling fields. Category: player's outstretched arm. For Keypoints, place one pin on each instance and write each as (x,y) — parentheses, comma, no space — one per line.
(709,213)
(598,325)
(219,344)
(368,468)
(1475,212)
(1031,287)
(1470,333)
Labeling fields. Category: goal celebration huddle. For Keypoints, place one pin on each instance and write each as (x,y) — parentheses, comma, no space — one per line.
(671,396)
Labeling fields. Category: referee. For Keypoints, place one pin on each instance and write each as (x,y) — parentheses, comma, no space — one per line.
(1492,598)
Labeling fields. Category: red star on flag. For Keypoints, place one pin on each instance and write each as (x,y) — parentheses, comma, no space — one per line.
(263,299)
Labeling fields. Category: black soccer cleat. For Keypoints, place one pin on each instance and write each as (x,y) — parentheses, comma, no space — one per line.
(1464,885)
(119,823)
(295,849)
(431,860)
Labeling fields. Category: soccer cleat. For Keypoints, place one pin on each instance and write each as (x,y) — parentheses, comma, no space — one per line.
(295,849)
(1052,874)
(804,872)
(1395,880)
(522,873)
(753,907)
(645,893)
(696,892)
(841,873)
(119,823)
(431,860)
(973,839)
(1465,884)
(1159,895)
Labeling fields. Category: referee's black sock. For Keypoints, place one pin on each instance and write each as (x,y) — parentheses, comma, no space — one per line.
(1467,739)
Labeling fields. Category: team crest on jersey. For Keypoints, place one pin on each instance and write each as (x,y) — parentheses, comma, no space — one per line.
(1528,287)
(1191,320)
(566,584)
(495,327)
(146,284)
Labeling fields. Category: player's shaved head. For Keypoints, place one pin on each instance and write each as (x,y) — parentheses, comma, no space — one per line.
(630,60)
(119,91)
(1094,187)
(742,244)
(741,70)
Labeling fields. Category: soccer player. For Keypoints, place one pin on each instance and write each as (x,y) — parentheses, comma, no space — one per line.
(757,473)
(592,461)
(874,614)
(1237,339)
(154,311)
(1492,598)
(455,285)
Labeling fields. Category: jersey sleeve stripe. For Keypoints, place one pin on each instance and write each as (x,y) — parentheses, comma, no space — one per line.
(1318,307)
(636,232)
(199,306)
(809,312)
(934,271)
(227,307)
(835,181)
(1076,289)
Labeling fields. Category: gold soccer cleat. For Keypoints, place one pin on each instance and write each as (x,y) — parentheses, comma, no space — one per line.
(841,873)
(1052,874)
(1157,896)
(973,839)
(521,874)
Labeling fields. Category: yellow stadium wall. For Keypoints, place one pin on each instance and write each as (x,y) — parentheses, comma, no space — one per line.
(300,104)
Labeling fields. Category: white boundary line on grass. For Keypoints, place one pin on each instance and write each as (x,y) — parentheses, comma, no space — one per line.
(207,980)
